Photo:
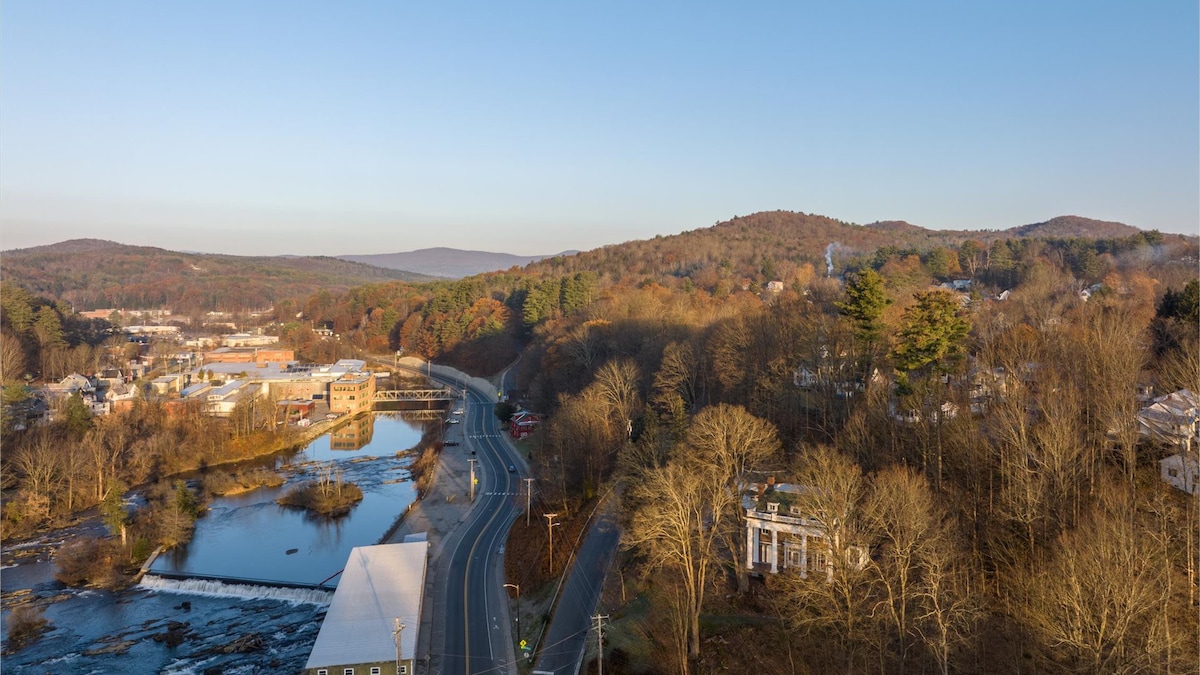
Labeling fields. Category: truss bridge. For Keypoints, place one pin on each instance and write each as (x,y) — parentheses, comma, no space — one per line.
(414,395)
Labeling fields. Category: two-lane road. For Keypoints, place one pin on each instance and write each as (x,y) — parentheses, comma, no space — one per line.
(474,622)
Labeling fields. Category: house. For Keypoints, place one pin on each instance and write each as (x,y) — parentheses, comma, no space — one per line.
(779,535)
(1181,471)
(522,424)
(1172,420)
(73,383)
(120,397)
(372,623)
(774,286)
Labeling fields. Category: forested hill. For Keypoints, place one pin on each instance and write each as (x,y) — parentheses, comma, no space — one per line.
(93,274)
(775,244)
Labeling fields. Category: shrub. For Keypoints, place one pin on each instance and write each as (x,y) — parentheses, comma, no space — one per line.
(25,624)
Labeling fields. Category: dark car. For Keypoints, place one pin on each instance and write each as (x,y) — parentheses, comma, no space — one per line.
(512,469)
(450,444)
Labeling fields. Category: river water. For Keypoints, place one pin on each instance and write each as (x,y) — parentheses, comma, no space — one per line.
(251,543)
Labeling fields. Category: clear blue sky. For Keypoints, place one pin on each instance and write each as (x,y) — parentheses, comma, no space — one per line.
(333,128)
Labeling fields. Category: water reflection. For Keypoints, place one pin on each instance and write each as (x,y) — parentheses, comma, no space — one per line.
(353,435)
(250,537)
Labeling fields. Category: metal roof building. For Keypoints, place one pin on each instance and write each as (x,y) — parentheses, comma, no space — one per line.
(380,585)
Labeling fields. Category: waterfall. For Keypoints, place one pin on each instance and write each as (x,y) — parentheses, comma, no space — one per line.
(212,587)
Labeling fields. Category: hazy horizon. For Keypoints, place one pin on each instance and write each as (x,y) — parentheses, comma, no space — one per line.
(314,129)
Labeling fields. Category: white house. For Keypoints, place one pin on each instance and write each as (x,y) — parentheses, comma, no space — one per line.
(380,591)
(1173,420)
(1180,471)
(780,536)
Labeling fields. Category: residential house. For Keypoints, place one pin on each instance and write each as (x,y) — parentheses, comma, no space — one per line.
(1172,420)
(71,384)
(779,535)
(523,424)
(1181,471)
(371,627)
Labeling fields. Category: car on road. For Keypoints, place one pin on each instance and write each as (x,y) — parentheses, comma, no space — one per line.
(450,444)
(453,421)
(512,468)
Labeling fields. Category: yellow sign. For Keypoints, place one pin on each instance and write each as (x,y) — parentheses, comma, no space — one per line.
(522,643)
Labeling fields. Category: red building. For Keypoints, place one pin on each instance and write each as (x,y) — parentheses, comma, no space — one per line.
(522,424)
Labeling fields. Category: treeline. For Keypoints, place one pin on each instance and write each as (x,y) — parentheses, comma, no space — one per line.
(44,339)
(52,471)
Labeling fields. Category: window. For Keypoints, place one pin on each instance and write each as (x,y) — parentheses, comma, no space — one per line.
(322,671)
(772,507)
(375,670)
(403,670)
(347,671)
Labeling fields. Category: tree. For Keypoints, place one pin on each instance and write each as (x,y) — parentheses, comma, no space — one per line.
(733,442)
(677,526)
(838,603)
(933,333)
(77,416)
(902,514)
(112,509)
(617,386)
(865,301)
(1096,602)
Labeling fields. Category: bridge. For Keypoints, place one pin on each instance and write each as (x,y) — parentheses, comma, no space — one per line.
(406,395)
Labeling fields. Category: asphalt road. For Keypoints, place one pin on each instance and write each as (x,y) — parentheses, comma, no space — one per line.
(561,651)
(474,624)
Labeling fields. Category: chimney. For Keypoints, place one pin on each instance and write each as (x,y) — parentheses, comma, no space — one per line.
(771,481)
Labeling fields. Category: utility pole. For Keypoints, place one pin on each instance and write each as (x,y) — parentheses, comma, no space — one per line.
(600,641)
(550,525)
(473,479)
(397,633)
(528,497)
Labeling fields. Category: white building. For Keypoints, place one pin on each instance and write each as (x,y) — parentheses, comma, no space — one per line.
(380,590)
(780,536)
(1181,472)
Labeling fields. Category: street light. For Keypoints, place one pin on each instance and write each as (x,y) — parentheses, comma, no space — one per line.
(550,525)
(518,587)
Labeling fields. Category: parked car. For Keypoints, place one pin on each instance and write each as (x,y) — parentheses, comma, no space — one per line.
(450,444)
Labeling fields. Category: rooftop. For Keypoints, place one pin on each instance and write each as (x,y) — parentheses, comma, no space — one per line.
(379,585)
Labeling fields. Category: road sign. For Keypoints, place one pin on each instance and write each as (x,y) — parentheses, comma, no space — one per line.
(523,644)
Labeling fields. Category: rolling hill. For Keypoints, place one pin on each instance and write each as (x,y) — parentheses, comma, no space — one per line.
(93,274)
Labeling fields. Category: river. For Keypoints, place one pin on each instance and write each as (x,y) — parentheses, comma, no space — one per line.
(252,543)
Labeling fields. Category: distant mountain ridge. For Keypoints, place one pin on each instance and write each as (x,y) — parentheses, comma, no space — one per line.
(449,262)
(96,273)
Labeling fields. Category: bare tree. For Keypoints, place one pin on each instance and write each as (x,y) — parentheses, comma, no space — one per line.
(1097,600)
(617,387)
(837,603)
(732,442)
(677,526)
(907,523)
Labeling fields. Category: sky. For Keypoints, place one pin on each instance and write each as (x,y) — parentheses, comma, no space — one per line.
(331,128)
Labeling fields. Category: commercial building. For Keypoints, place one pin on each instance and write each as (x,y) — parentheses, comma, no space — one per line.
(372,623)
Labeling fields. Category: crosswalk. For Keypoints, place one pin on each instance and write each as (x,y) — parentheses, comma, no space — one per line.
(505,494)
